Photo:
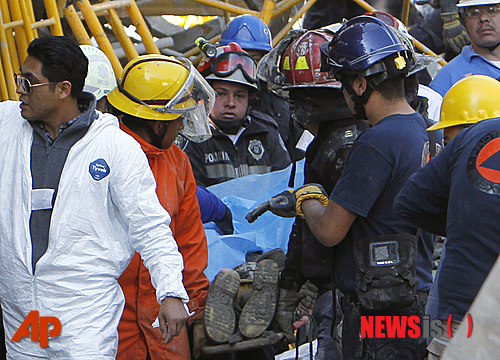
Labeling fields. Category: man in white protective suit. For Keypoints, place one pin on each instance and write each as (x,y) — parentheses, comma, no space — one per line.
(77,199)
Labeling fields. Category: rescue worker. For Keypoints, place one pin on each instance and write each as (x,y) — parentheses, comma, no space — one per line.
(463,106)
(254,37)
(317,104)
(482,20)
(154,97)
(371,60)
(454,195)
(244,141)
(78,198)
(101,77)
(470,100)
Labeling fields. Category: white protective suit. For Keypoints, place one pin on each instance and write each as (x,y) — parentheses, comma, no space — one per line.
(96,225)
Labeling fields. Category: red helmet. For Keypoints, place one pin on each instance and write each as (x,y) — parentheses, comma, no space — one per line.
(230,63)
(301,62)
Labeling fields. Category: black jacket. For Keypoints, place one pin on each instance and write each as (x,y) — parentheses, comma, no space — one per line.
(307,258)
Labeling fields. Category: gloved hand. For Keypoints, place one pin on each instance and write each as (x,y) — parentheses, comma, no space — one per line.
(454,33)
(310,293)
(289,202)
(226,223)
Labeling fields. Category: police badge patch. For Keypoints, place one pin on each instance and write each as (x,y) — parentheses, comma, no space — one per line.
(256,149)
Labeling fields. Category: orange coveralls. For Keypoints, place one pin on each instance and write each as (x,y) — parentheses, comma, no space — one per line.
(176,190)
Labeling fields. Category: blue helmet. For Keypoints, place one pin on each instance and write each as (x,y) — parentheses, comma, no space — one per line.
(249,32)
(367,45)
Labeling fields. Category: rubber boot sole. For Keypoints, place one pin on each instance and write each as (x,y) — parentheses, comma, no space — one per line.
(219,320)
(258,312)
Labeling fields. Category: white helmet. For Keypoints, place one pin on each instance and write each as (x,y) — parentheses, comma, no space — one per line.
(465,3)
(101,78)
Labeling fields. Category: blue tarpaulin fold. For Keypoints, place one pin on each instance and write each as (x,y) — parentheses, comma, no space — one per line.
(267,232)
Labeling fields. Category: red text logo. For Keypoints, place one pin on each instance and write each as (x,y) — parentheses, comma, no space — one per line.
(38,322)
(407,326)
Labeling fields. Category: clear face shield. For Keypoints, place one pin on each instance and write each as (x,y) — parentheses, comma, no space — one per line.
(196,124)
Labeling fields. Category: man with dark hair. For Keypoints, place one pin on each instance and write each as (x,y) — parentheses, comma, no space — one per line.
(243,141)
(155,127)
(78,197)
(482,57)
(375,250)
(317,104)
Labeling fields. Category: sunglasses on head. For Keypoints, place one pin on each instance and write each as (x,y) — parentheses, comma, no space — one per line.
(26,84)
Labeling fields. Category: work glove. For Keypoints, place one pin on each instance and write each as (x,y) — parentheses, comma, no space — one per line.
(454,33)
(289,202)
(310,293)
(226,223)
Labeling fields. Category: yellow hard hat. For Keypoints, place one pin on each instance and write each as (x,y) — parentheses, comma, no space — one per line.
(154,87)
(472,99)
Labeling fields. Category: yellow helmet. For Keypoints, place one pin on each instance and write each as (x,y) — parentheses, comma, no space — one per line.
(470,100)
(147,84)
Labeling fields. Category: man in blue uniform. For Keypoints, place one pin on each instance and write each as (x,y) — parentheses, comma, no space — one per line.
(482,57)
(371,60)
(456,195)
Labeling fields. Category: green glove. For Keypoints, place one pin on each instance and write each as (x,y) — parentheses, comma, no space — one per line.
(454,33)
(289,202)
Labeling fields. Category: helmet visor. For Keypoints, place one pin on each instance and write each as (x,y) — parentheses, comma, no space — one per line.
(226,63)
(196,124)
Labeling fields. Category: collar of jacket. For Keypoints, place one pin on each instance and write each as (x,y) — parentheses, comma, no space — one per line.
(86,103)
(149,149)
(256,126)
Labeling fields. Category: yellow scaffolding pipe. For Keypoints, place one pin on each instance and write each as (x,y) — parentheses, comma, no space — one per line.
(21,39)
(31,14)
(53,13)
(11,44)
(284,5)
(7,86)
(289,25)
(267,10)
(98,32)
(123,39)
(76,25)
(26,21)
(140,24)
(228,7)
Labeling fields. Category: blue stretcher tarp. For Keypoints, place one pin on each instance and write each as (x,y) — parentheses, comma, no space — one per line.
(267,232)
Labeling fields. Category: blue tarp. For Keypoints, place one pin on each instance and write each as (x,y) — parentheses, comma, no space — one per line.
(267,232)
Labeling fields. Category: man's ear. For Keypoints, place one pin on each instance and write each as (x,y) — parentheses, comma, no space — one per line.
(158,125)
(64,89)
(359,85)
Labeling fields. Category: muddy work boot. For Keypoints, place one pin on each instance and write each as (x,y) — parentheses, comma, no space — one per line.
(219,319)
(277,255)
(258,312)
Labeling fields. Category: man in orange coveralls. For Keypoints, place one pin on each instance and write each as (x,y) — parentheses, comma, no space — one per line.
(155,97)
